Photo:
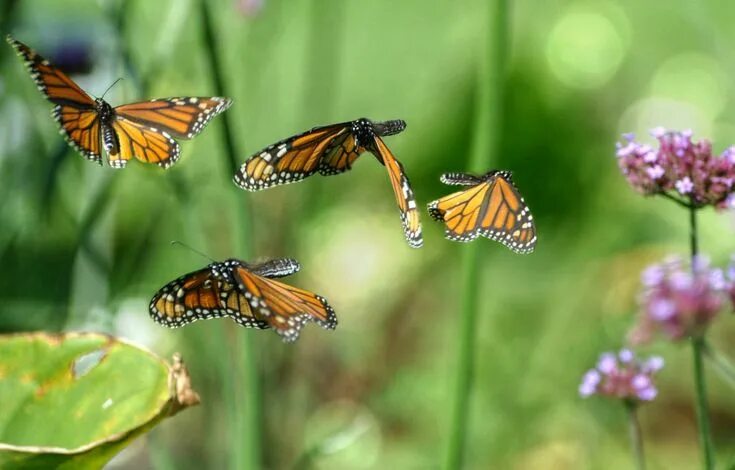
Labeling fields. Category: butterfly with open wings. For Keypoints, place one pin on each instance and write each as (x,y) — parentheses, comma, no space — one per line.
(330,150)
(246,293)
(144,130)
(491,206)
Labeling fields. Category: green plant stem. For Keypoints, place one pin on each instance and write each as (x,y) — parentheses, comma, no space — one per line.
(702,408)
(700,388)
(244,409)
(721,364)
(636,436)
(487,133)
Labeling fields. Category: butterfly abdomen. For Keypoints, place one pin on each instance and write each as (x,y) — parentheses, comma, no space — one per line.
(389,127)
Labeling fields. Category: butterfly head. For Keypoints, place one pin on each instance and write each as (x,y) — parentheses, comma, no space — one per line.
(104,110)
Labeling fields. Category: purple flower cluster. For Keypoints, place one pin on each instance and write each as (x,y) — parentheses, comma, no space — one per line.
(680,167)
(680,302)
(622,376)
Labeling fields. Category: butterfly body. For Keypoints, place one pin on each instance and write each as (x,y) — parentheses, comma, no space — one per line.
(331,150)
(143,130)
(491,206)
(245,292)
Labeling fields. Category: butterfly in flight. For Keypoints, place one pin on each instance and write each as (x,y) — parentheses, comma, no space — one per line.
(247,293)
(491,206)
(331,150)
(144,130)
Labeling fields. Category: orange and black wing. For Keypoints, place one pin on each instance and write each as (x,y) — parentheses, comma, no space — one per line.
(74,111)
(285,308)
(127,139)
(340,155)
(81,128)
(292,159)
(492,208)
(200,296)
(403,192)
(182,117)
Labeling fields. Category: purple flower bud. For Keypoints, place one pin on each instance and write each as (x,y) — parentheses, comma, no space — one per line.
(680,167)
(662,309)
(658,132)
(647,394)
(607,363)
(631,379)
(653,364)
(625,355)
(680,302)
(684,185)
(655,172)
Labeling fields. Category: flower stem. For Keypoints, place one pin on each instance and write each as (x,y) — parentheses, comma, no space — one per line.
(243,409)
(636,437)
(705,435)
(487,134)
(693,240)
(700,387)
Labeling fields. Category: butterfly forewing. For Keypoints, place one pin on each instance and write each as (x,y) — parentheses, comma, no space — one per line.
(52,82)
(289,160)
(181,117)
(194,296)
(404,194)
(286,308)
(201,295)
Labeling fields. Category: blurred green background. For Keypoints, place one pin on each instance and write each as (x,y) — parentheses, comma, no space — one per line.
(85,248)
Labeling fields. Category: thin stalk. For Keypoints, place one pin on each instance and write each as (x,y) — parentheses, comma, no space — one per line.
(636,436)
(693,237)
(700,388)
(245,426)
(487,133)
(702,407)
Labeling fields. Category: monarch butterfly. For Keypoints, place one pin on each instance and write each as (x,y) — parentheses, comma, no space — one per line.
(144,130)
(331,150)
(246,293)
(491,207)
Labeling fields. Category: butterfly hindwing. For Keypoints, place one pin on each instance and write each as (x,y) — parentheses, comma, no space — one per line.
(81,128)
(340,155)
(147,144)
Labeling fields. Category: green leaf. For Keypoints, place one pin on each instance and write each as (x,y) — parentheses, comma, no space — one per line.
(75,400)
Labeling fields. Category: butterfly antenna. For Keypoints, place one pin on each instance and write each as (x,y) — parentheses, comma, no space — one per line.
(177,242)
(109,87)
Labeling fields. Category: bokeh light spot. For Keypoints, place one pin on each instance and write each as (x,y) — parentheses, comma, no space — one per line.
(584,50)
(692,78)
